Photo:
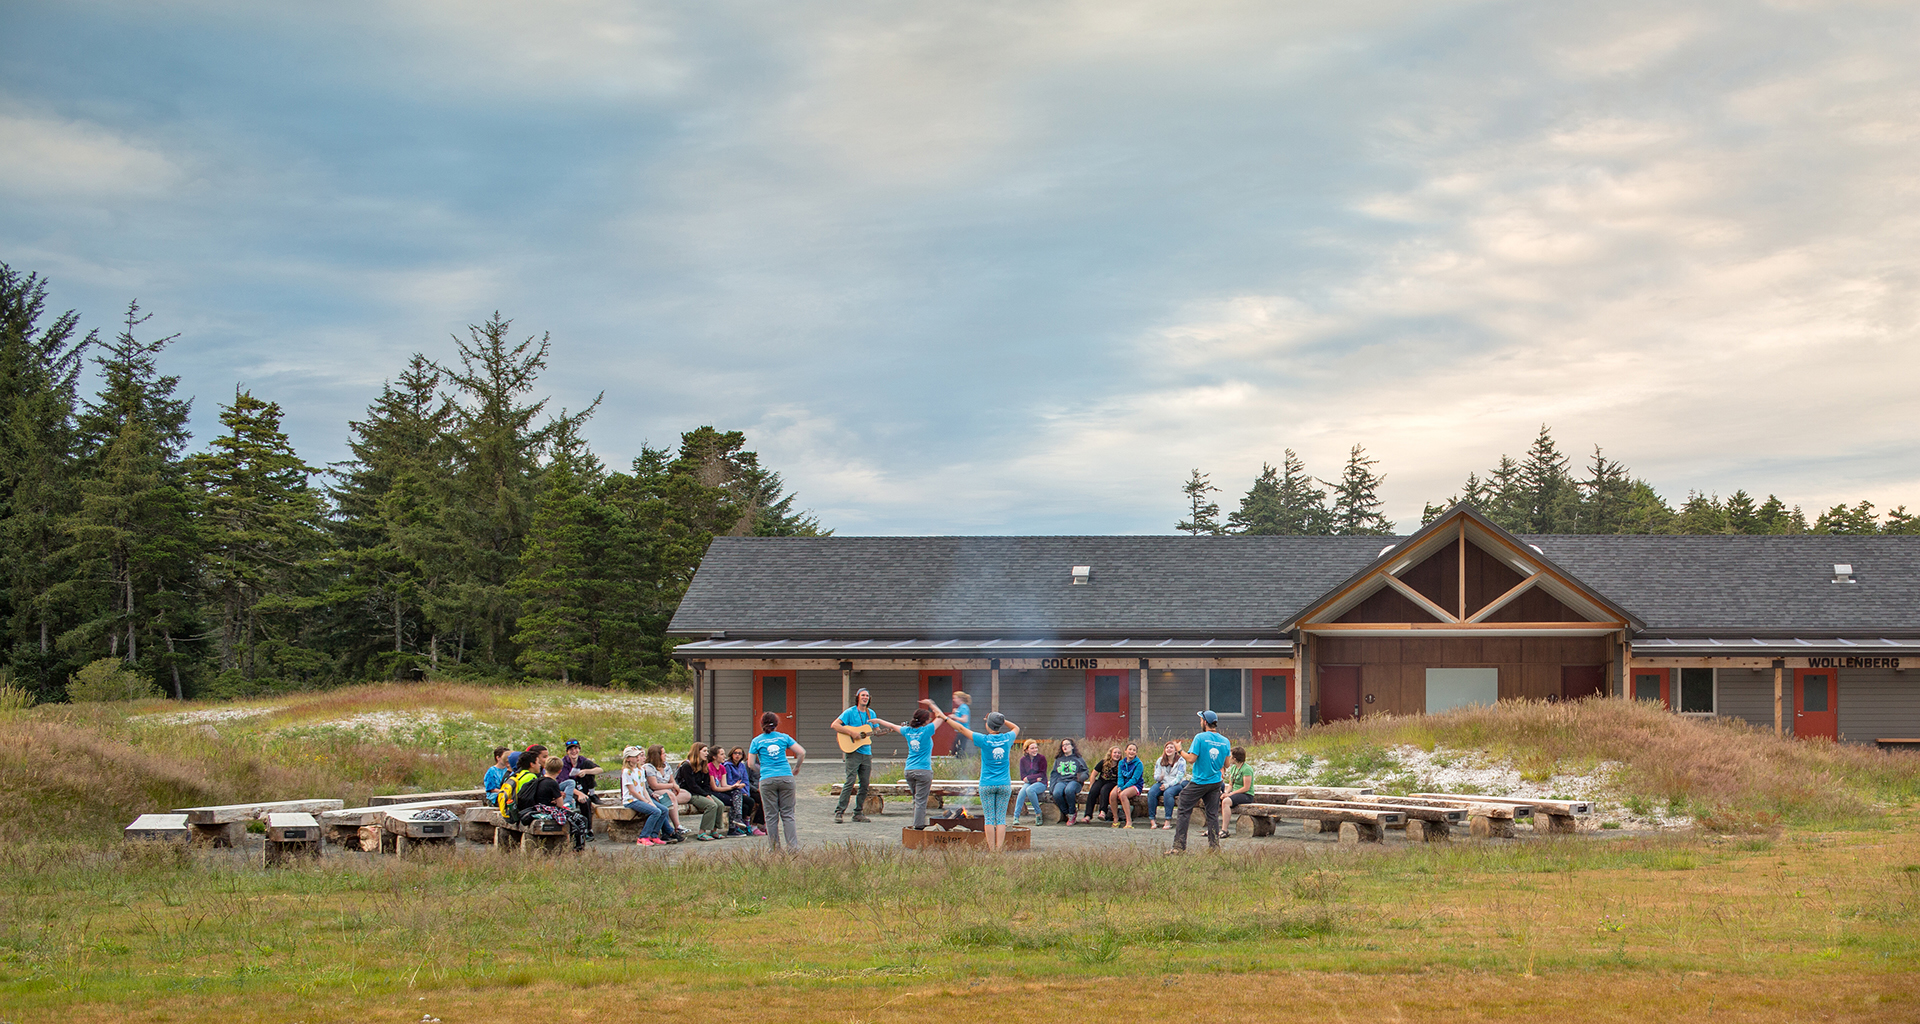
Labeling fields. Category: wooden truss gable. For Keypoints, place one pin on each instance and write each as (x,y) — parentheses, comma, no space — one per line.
(1461,574)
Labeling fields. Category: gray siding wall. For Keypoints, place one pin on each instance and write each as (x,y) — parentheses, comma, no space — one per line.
(1177,695)
(1741,693)
(896,692)
(733,723)
(1878,702)
(1048,704)
(819,704)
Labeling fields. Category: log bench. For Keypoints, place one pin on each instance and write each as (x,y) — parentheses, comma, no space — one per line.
(1353,824)
(1422,823)
(218,825)
(477,824)
(525,839)
(343,825)
(879,792)
(406,829)
(1892,743)
(390,799)
(290,835)
(172,828)
(1490,817)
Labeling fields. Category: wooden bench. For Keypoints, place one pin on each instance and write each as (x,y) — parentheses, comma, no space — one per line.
(169,828)
(344,825)
(219,825)
(477,824)
(525,839)
(405,829)
(1422,822)
(1354,825)
(391,799)
(1888,743)
(1494,817)
(878,792)
(290,834)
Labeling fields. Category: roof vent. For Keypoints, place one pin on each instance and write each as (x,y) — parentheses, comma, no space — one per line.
(1843,573)
(1082,575)
(1386,549)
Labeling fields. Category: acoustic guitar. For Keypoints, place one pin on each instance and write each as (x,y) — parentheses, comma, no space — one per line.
(863,735)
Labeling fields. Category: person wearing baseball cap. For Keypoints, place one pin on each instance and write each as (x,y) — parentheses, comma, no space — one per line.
(1207,754)
(634,794)
(856,724)
(576,781)
(996,778)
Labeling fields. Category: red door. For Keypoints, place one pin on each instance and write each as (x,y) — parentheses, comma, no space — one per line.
(1339,692)
(938,687)
(777,692)
(1272,704)
(1107,704)
(1653,684)
(1816,700)
(1577,681)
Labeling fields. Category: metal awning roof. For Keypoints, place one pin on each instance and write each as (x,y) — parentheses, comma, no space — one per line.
(1140,647)
(1707,647)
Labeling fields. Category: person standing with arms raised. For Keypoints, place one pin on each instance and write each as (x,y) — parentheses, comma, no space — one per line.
(856,724)
(1207,754)
(996,784)
(768,754)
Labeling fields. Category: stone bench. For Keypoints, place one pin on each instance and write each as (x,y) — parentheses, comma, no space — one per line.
(355,827)
(219,825)
(171,828)
(391,799)
(406,829)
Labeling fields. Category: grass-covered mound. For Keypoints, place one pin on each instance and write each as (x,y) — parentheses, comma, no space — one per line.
(82,771)
(1727,775)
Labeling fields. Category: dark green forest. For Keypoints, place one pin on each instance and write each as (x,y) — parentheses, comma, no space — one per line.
(1539,493)
(471,534)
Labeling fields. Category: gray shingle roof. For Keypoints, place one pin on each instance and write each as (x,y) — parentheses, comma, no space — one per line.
(812,587)
(1011,586)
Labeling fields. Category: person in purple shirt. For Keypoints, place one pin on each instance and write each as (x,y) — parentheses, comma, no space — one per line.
(1033,781)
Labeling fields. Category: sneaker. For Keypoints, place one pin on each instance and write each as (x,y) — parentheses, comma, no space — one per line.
(758,831)
(861,817)
(839,817)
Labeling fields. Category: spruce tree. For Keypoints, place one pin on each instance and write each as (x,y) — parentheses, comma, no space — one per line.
(40,366)
(1356,498)
(561,585)
(1856,521)
(262,526)
(1260,512)
(1742,516)
(1203,514)
(1700,514)
(1506,500)
(1549,500)
(1605,496)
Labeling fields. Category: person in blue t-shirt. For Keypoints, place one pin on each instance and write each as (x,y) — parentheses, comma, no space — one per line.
(918,733)
(768,754)
(1208,755)
(962,714)
(996,778)
(856,723)
(496,776)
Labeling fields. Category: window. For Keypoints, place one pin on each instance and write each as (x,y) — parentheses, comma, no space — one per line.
(1273,692)
(1223,691)
(773,694)
(1449,688)
(1696,691)
(1646,686)
(1106,694)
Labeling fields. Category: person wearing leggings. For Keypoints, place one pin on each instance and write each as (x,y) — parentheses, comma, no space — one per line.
(1064,782)
(775,755)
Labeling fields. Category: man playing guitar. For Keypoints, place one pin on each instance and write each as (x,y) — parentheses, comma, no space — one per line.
(855,728)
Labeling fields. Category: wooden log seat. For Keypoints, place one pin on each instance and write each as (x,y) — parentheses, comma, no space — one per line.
(221,824)
(525,839)
(1895,743)
(291,836)
(1369,824)
(477,824)
(878,793)
(1423,823)
(390,799)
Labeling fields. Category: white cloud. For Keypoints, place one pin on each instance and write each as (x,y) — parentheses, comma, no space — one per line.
(49,158)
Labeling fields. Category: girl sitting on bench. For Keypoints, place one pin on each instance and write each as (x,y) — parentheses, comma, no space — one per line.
(1130,774)
(1169,775)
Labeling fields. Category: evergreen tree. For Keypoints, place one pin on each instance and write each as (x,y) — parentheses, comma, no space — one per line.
(1647,511)
(1203,515)
(1356,498)
(1549,499)
(561,583)
(39,373)
(1700,514)
(1260,512)
(132,540)
(1900,521)
(262,526)
(1858,520)
(1742,516)
(1303,506)
(1605,496)
(1504,497)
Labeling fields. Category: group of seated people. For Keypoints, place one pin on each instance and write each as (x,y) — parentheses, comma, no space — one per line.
(1116,781)
(718,787)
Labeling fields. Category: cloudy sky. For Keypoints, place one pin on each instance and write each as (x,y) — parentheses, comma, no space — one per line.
(983,268)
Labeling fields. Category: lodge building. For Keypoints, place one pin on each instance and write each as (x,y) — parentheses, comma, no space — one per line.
(1812,636)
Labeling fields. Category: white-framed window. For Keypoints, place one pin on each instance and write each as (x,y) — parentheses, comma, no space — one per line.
(1227,691)
(1696,691)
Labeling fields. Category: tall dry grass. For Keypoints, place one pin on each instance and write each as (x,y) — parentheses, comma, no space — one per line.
(1730,775)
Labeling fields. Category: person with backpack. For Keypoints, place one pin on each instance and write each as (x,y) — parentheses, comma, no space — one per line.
(541,797)
(508,802)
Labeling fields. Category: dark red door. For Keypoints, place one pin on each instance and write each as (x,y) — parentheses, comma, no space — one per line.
(1339,692)
(1272,703)
(777,692)
(1107,704)
(1816,700)
(1653,684)
(1577,681)
(938,687)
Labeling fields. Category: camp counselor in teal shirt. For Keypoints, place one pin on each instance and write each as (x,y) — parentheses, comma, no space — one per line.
(919,746)
(993,756)
(1210,750)
(771,749)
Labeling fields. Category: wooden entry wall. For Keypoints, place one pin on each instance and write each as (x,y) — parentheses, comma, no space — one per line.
(1394,670)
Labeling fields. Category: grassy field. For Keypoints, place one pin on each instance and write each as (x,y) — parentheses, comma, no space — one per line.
(1785,910)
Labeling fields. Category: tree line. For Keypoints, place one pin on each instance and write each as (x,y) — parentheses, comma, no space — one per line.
(1537,493)
(471,532)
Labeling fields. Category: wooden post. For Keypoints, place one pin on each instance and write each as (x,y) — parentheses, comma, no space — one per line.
(713,695)
(1144,703)
(1302,672)
(846,684)
(995,705)
(1626,667)
(1463,568)
(1779,715)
